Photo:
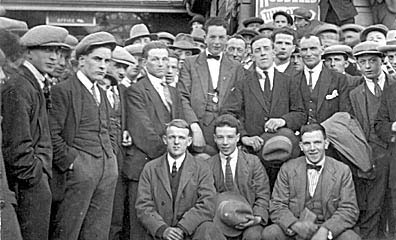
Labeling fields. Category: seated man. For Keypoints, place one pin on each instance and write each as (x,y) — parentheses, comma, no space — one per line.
(314,195)
(236,171)
(176,194)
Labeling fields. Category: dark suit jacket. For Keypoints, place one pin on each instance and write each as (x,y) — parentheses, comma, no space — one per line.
(339,204)
(251,179)
(328,82)
(290,70)
(194,203)
(145,123)
(122,91)
(344,9)
(246,102)
(26,145)
(194,81)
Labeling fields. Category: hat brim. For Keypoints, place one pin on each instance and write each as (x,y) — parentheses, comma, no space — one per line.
(336,53)
(368,52)
(121,61)
(55,45)
(194,50)
(130,41)
(387,48)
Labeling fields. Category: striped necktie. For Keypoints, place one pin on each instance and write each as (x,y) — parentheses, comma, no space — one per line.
(174,169)
(229,180)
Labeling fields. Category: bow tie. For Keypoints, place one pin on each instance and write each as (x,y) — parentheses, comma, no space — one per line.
(210,56)
(314,167)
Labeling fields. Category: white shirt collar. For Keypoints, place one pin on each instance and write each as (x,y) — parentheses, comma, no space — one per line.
(233,162)
(381,82)
(316,69)
(126,82)
(171,160)
(271,73)
(154,80)
(233,155)
(39,77)
(85,80)
(282,67)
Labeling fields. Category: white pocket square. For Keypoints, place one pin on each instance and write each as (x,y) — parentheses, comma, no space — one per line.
(334,94)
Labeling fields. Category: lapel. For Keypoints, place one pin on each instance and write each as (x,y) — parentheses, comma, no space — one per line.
(153,95)
(217,172)
(254,85)
(278,86)
(173,92)
(187,173)
(203,73)
(328,180)
(323,83)
(242,171)
(300,183)
(361,100)
(76,99)
(28,75)
(121,91)
(163,175)
(224,77)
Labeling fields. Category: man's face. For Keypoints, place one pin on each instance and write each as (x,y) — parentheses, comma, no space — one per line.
(226,138)
(329,38)
(377,37)
(62,64)
(370,65)
(283,46)
(351,38)
(313,144)
(118,70)
(142,40)
(336,62)
(392,58)
(196,25)
(182,54)
(133,69)
(311,51)
(173,70)
(297,61)
(300,22)
(95,64)
(216,39)
(236,49)
(280,21)
(44,58)
(266,33)
(263,53)
(253,26)
(177,141)
(200,45)
(157,62)
(166,41)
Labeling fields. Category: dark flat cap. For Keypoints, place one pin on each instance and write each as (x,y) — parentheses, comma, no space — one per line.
(338,49)
(13,25)
(390,46)
(302,13)
(267,26)
(327,27)
(247,32)
(352,27)
(45,35)
(367,47)
(197,18)
(250,20)
(283,13)
(95,39)
(377,27)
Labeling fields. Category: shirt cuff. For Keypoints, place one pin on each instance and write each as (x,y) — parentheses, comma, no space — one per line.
(160,232)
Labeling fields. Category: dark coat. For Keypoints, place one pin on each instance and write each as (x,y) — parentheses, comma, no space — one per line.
(344,9)
(246,102)
(145,123)
(27,145)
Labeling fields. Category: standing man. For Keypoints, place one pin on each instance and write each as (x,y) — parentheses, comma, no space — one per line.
(151,103)
(26,136)
(83,154)
(285,40)
(314,195)
(176,193)
(248,177)
(205,82)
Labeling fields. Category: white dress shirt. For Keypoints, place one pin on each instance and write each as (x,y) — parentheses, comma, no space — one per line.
(313,176)
(381,82)
(271,72)
(315,75)
(39,77)
(214,68)
(233,163)
(88,84)
(282,67)
(156,82)
(179,161)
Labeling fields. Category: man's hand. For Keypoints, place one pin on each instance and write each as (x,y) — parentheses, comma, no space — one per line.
(198,137)
(255,142)
(304,229)
(253,220)
(126,139)
(393,127)
(274,123)
(321,234)
(173,233)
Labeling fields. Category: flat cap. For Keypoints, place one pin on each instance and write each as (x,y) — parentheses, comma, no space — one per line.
(247,32)
(302,13)
(367,47)
(267,26)
(13,25)
(121,55)
(327,27)
(338,49)
(283,13)
(166,35)
(95,39)
(135,49)
(391,35)
(45,35)
(71,41)
(390,46)
(250,20)
(377,27)
(197,18)
(352,27)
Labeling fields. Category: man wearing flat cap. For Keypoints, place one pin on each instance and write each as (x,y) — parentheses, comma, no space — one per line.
(240,172)
(26,135)
(366,100)
(304,22)
(351,34)
(329,34)
(253,23)
(84,160)
(314,195)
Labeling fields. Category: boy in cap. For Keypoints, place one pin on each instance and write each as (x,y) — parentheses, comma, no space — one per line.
(84,161)
(351,34)
(26,134)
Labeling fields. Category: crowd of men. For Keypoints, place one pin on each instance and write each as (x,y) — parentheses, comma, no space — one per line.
(284,130)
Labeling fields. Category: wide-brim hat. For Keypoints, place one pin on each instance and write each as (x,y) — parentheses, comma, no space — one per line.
(337,49)
(279,146)
(367,47)
(138,31)
(390,46)
(135,49)
(166,35)
(197,18)
(231,210)
(377,27)
(185,45)
(250,20)
(198,35)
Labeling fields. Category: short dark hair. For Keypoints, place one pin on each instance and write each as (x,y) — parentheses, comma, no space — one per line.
(153,45)
(283,13)
(227,120)
(309,35)
(258,37)
(179,123)
(215,21)
(287,31)
(313,127)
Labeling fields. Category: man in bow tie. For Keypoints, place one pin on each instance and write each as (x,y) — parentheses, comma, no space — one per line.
(314,195)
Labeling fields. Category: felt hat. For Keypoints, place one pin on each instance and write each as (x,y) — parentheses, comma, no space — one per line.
(45,35)
(283,13)
(250,20)
(377,27)
(197,18)
(352,27)
(390,46)
(15,26)
(302,13)
(231,210)
(95,39)
(337,49)
(367,47)
(185,42)
(135,49)
(121,55)
(198,35)
(138,31)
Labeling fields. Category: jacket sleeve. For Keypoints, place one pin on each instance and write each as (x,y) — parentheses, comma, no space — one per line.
(296,117)
(184,86)
(345,102)
(262,190)
(383,122)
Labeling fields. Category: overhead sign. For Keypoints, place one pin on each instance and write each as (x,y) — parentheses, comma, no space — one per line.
(71,19)
(266,8)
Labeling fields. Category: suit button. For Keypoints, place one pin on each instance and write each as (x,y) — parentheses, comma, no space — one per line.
(2,204)
(162,203)
(310,109)
(265,118)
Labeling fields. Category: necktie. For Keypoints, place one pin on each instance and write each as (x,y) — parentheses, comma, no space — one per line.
(47,93)
(116,98)
(167,96)
(314,167)
(377,88)
(267,83)
(229,180)
(310,81)
(210,56)
(94,95)
(174,169)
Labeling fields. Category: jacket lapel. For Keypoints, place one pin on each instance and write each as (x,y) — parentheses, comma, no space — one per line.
(202,71)
(254,85)
(76,99)
(224,77)
(361,101)
(242,171)
(217,173)
(163,175)
(300,185)
(186,174)
(323,83)
(155,99)
(328,181)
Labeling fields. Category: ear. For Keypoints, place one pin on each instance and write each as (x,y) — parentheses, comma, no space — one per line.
(189,140)
(327,143)
(293,48)
(346,64)
(301,146)
(238,137)
(164,140)
(144,61)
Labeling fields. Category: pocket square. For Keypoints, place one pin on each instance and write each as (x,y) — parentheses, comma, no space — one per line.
(334,94)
